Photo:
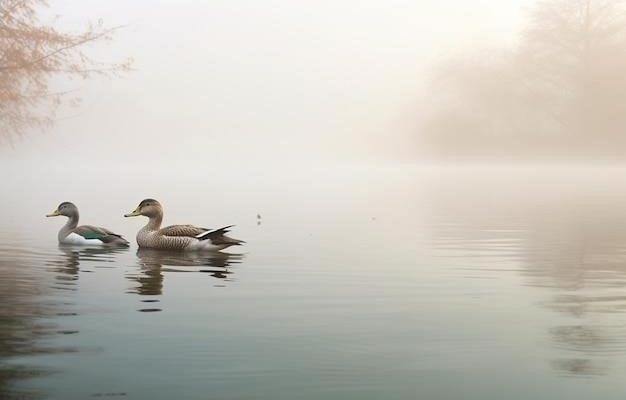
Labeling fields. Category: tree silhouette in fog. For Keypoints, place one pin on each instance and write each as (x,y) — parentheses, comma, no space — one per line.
(561,92)
(32,53)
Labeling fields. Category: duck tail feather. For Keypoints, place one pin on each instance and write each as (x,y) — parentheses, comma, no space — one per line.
(218,236)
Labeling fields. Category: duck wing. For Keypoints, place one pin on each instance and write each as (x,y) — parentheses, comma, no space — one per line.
(96,232)
(182,230)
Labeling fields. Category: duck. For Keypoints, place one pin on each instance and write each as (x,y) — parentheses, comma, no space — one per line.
(178,237)
(83,235)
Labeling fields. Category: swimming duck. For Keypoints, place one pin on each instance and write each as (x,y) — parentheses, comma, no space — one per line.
(71,233)
(177,237)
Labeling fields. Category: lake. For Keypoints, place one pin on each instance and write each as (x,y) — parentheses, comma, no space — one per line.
(355,283)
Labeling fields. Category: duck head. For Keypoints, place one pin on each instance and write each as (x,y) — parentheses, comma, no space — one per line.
(66,209)
(148,208)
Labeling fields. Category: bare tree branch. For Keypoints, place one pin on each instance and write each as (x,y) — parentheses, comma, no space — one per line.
(61,49)
(31,54)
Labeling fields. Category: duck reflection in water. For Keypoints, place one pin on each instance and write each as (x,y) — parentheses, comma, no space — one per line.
(68,264)
(153,263)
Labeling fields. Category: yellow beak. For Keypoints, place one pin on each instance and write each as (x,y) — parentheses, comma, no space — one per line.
(135,213)
(54,213)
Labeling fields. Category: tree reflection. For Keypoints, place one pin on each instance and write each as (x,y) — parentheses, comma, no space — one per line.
(19,329)
(562,240)
(22,284)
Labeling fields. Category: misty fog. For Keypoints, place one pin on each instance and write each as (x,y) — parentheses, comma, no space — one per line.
(401,81)
(264,81)
(559,94)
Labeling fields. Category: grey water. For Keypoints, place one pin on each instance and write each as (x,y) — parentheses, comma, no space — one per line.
(355,283)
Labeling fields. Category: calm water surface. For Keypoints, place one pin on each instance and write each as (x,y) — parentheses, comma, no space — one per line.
(357,284)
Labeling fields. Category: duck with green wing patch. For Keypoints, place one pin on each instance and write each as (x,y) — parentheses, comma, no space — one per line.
(88,235)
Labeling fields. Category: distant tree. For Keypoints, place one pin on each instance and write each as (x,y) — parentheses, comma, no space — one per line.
(562,90)
(32,53)
(575,50)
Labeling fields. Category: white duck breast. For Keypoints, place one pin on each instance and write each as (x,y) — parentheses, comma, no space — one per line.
(205,245)
(75,238)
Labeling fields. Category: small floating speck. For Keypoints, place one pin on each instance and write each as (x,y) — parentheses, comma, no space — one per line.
(149,310)
(150,301)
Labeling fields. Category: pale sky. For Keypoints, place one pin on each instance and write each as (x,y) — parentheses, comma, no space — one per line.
(243,82)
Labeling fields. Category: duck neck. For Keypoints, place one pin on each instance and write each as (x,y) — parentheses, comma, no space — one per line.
(154,223)
(70,225)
